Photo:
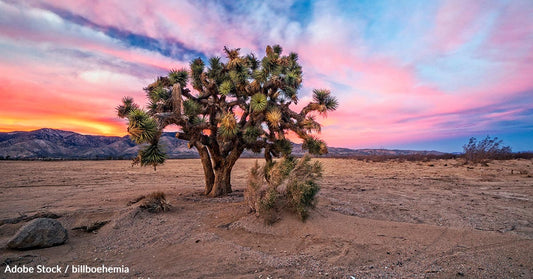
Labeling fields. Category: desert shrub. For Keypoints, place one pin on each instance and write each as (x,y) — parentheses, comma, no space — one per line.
(485,150)
(259,198)
(287,184)
(523,155)
(422,157)
(155,202)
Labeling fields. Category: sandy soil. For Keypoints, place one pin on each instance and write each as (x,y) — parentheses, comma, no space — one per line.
(436,219)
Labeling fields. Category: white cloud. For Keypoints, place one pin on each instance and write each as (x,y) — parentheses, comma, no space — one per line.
(107,78)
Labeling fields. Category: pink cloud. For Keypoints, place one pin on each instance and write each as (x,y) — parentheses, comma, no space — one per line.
(456,22)
(515,27)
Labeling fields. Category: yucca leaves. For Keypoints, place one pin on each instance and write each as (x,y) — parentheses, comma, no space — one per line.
(239,75)
(232,54)
(228,121)
(197,68)
(323,97)
(152,155)
(228,125)
(277,49)
(159,93)
(258,102)
(253,63)
(310,124)
(260,75)
(293,79)
(273,116)
(153,107)
(178,76)
(255,86)
(293,57)
(284,146)
(235,77)
(251,134)
(314,146)
(215,64)
(225,88)
(290,93)
(195,120)
(269,64)
(215,70)
(191,108)
(127,106)
(142,128)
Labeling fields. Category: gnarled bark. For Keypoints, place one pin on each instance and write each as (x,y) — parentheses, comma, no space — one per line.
(207,166)
(222,173)
(222,183)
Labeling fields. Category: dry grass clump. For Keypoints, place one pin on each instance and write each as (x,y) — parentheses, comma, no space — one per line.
(287,184)
(155,202)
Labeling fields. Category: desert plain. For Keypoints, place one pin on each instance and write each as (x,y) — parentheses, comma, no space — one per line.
(392,219)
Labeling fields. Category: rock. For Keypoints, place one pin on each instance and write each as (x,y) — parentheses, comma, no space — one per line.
(39,233)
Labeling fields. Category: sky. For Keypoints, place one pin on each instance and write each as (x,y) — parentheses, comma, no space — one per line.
(423,75)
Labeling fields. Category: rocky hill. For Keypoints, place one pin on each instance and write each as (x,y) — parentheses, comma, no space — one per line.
(58,144)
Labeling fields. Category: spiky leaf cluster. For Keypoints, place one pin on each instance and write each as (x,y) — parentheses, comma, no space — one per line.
(152,155)
(314,145)
(178,76)
(273,116)
(191,108)
(226,87)
(142,127)
(258,102)
(251,134)
(127,106)
(284,147)
(325,100)
(228,126)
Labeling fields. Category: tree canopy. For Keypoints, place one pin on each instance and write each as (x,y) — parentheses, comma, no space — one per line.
(235,104)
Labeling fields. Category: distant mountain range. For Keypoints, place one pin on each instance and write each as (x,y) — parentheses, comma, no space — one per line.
(58,144)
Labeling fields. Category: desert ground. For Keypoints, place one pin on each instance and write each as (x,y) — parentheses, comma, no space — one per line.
(437,219)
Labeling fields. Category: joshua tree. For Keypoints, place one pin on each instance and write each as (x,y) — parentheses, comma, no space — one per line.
(237,104)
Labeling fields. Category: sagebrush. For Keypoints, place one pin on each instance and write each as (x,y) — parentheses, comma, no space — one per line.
(485,150)
(288,184)
(155,202)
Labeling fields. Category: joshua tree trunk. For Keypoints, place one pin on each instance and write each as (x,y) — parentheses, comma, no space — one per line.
(207,166)
(218,172)
(222,183)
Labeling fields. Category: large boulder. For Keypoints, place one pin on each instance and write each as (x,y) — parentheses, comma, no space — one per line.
(39,233)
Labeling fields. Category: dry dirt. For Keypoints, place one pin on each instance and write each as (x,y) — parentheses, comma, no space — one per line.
(438,219)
